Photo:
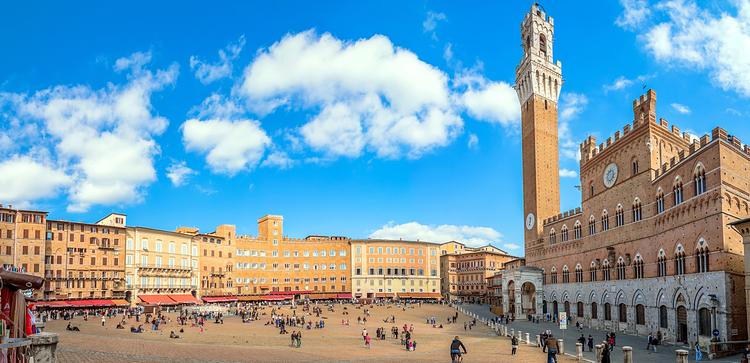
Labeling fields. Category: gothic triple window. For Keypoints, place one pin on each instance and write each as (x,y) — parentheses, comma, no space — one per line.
(700,180)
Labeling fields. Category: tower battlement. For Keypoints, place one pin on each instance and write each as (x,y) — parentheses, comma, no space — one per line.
(537,12)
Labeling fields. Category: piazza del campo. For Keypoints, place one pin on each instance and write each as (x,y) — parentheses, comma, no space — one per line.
(649,265)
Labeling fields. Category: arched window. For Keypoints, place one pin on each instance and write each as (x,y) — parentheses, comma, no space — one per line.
(594,312)
(606,270)
(592,225)
(553,275)
(552,236)
(638,267)
(566,274)
(605,221)
(663,317)
(542,45)
(704,322)
(591,189)
(579,309)
(678,197)
(661,264)
(701,256)
(579,273)
(659,201)
(635,166)
(621,269)
(679,261)
(564,233)
(640,315)
(607,312)
(637,210)
(544,277)
(592,271)
(623,313)
(577,230)
(700,180)
(619,216)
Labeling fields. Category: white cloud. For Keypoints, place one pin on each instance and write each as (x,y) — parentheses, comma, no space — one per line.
(207,73)
(571,105)
(372,95)
(278,159)
(102,139)
(680,108)
(473,141)
(26,180)
(471,236)
(635,12)
(431,21)
(512,246)
(230,146)
(695,38)
(567,173)
(622,82)
(178,173)
(448,53)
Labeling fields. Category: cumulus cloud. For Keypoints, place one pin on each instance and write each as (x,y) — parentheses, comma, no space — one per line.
(371,94)
(26,180)
(692,37)
(207,73)
(486,100)
(512,247)
(635,12)
(230,146)
(102,139)
(571,105)
(178,173)
(431,21)
(622,82)
(680,108)
(567,173)
(278,159)
(471,236)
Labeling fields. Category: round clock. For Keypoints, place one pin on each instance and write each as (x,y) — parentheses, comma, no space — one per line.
(610,175)
(530,220)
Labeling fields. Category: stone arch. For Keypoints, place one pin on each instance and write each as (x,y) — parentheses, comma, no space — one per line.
(620,299)
(661,298)
(605,298)
(676,301)
(592,297)
(638,298)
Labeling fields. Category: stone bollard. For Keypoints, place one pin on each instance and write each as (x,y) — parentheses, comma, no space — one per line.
(528,339)
(539,340)
(627,353)
(44,347)
(682,356)
(599,349)
(519,335)
(561,346)
(579,351)
(512,332)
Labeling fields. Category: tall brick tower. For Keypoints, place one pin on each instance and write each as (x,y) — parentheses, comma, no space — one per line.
(538,83)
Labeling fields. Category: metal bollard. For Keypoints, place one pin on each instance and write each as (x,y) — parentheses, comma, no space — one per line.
(682,356)
(528,339)
(561,346)
(599,350)
(627,353)
(579,351)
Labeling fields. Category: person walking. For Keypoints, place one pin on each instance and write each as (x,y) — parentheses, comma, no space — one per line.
(551,349)
(513,345)
(368,339)
(591,343)
(605,353)
(650,341)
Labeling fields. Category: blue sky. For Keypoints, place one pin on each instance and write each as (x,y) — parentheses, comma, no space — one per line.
(388,119)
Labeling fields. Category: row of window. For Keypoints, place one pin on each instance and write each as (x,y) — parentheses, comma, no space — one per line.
(396,251)
(295,253)
(395,271)
(636,211)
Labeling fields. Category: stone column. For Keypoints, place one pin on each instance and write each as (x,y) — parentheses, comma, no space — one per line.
(579,351)
(44,347)
(520,335)
(599,349)
(627,353)
(561,346)
(528,339)
(682,356)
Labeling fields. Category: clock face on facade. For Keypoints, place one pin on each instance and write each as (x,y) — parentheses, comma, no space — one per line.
(530,220)
(610,175)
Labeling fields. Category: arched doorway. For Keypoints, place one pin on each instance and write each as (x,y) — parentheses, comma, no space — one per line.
(555,309)
(567,309)
(682,327)
(512,298)
(544,307)
(528,298)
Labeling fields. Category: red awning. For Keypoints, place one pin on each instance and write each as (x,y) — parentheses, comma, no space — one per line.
(156,299)
(343,296)
(214,299)
(294,292)
(184,299)
(277,297)
(52,304)
(92,303)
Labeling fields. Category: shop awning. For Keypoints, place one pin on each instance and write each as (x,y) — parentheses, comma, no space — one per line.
(250,298)
(52,304)
(343,296)
(92,303)
(156,299)
(184,299)
(120,302)
(322,296)
(219,299)
(293,292)
(419,295)
(277,297)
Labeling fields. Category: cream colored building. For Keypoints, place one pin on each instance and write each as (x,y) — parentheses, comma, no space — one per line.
(159,262)
(390,268)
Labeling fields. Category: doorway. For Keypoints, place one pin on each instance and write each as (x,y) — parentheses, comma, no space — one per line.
(682,327)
